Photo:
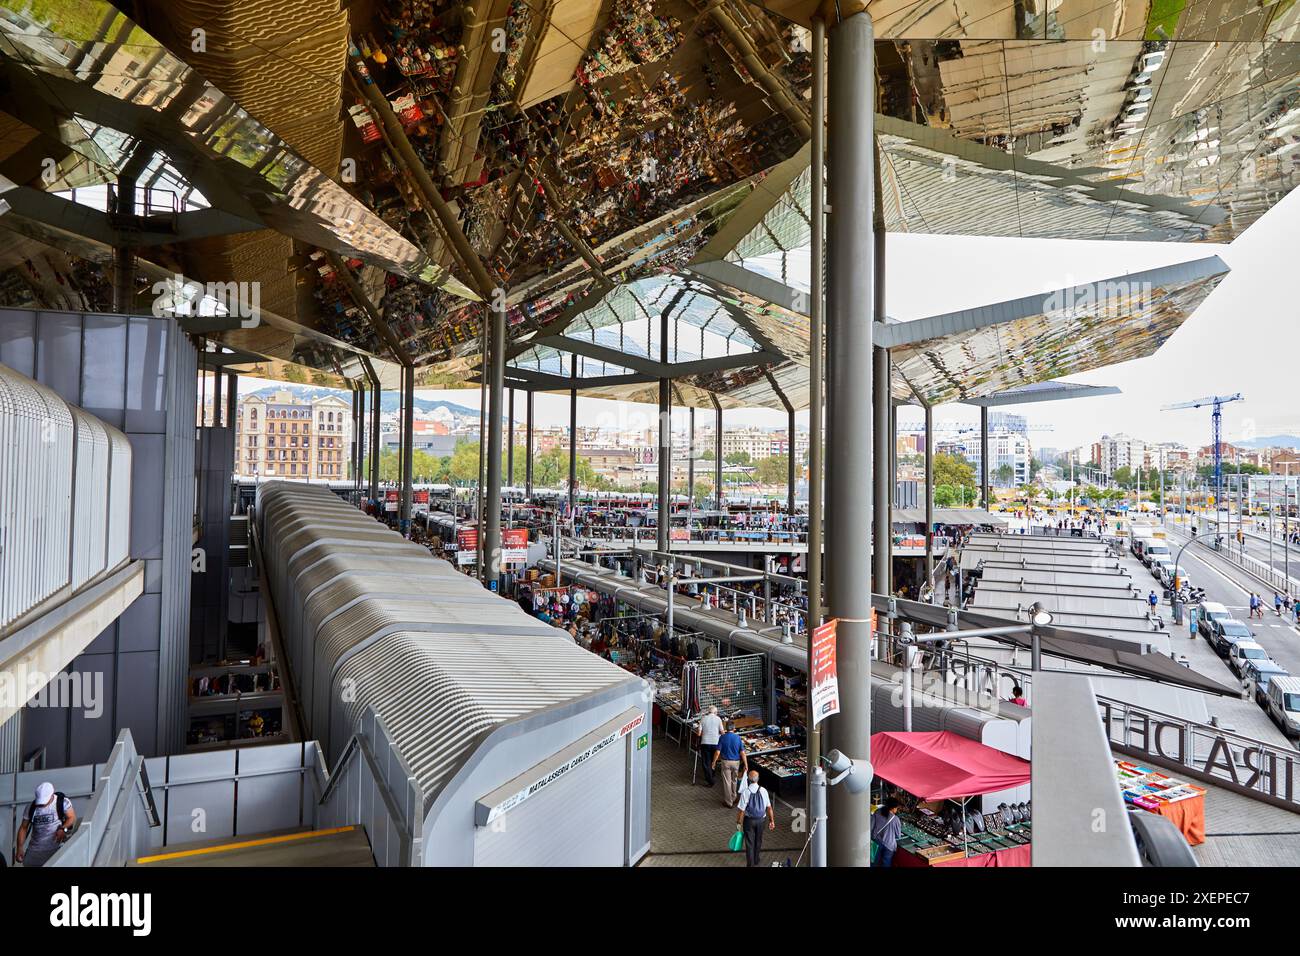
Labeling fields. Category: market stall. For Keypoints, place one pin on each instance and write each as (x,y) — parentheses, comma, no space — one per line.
(1149,789)
(934,775)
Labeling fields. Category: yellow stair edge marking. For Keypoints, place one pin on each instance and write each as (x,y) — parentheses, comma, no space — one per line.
(264,841)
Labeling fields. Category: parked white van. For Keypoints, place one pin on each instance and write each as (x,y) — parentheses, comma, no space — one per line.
(1283,703)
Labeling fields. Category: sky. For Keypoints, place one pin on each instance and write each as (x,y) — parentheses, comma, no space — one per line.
(1244,338)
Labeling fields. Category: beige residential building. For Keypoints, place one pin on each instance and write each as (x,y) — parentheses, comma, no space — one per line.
(285,437)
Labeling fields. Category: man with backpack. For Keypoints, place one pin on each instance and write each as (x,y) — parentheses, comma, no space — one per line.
(753,810)
(47,820)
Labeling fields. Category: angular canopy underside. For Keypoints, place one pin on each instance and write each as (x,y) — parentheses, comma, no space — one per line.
(618,161)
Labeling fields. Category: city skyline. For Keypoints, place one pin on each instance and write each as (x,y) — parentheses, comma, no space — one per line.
(1253,301)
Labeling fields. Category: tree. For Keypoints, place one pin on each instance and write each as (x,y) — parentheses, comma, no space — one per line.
(772,470)
(1035,466)
(1123,476)
(954,471)
(737,458)
(1004,474)
(703,490)
(707,455)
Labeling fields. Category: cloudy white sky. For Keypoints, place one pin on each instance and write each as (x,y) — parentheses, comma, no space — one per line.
(1245,338)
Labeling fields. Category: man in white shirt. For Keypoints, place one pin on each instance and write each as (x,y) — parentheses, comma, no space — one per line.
(754,813)
(710,731)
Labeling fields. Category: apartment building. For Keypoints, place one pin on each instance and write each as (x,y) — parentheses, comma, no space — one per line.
(282,436)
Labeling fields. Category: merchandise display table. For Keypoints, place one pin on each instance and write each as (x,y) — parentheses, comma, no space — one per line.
(1013,856)
(1180,802)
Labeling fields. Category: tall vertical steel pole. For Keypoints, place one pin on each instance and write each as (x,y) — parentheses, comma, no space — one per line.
(816,800)
(528,446)
(690,472)
(665,464)
(356,438)
(984,458)
(790,471)
(510,442)
(929,492)
(850,295)
(496,367)
(408,445)
(376,409)
(882,579)
(816,375)
(573,436)
(717,452)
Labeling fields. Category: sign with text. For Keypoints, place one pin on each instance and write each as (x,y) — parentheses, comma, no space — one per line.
(467,539)
(824,698)
(514,545)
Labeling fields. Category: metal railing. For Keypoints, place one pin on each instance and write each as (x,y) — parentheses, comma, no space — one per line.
(1229,550)
(1204,751)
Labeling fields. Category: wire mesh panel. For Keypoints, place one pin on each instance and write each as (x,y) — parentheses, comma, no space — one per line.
(733,684)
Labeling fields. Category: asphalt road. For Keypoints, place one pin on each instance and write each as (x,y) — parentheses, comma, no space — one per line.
(1232,588)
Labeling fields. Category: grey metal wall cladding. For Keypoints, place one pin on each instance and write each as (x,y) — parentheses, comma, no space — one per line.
(569,823)
(90,503)
(56,472)
(137,376)
(373,621)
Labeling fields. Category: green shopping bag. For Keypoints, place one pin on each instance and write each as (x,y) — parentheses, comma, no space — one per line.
(875,850)
(737,842)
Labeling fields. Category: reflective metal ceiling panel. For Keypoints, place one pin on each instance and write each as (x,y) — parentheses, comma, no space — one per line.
(106,99)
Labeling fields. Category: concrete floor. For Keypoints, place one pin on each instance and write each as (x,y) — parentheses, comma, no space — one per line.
(690,827)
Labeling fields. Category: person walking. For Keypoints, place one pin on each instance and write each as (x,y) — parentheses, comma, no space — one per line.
(710,732)
(46,823)
(753,811)
(1153,601)
(735,763)
(886,828)
(1277,603)
(1253,601)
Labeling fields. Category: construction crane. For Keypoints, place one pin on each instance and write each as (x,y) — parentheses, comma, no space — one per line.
(1218,401)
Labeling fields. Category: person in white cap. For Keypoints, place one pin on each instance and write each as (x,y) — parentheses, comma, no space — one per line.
(47,820)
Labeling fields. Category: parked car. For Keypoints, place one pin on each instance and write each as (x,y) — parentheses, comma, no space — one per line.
(1226,631)
(1260,673)
(1168,572)
(1243,651)
(1282,701)
(1207,613)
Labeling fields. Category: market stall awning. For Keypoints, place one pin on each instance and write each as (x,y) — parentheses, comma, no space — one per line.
(941,765)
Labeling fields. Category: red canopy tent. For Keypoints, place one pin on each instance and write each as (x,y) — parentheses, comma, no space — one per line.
(941,765)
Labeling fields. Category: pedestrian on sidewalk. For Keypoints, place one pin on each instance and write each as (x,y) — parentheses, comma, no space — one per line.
(735,763)
(1254,605)
(753,809)
(710,734)
(1277,603)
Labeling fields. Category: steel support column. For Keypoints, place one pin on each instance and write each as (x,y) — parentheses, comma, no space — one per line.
(717,451)
(984,458)
(496,367)
(528,446)
(791,471)
(690,470)
(817,315)
(232,402)
(850,286)
(376,406)
(882,552)
(358,437)
(665,463)
(573,436)
(408,446)
(510,438)
(929,492)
